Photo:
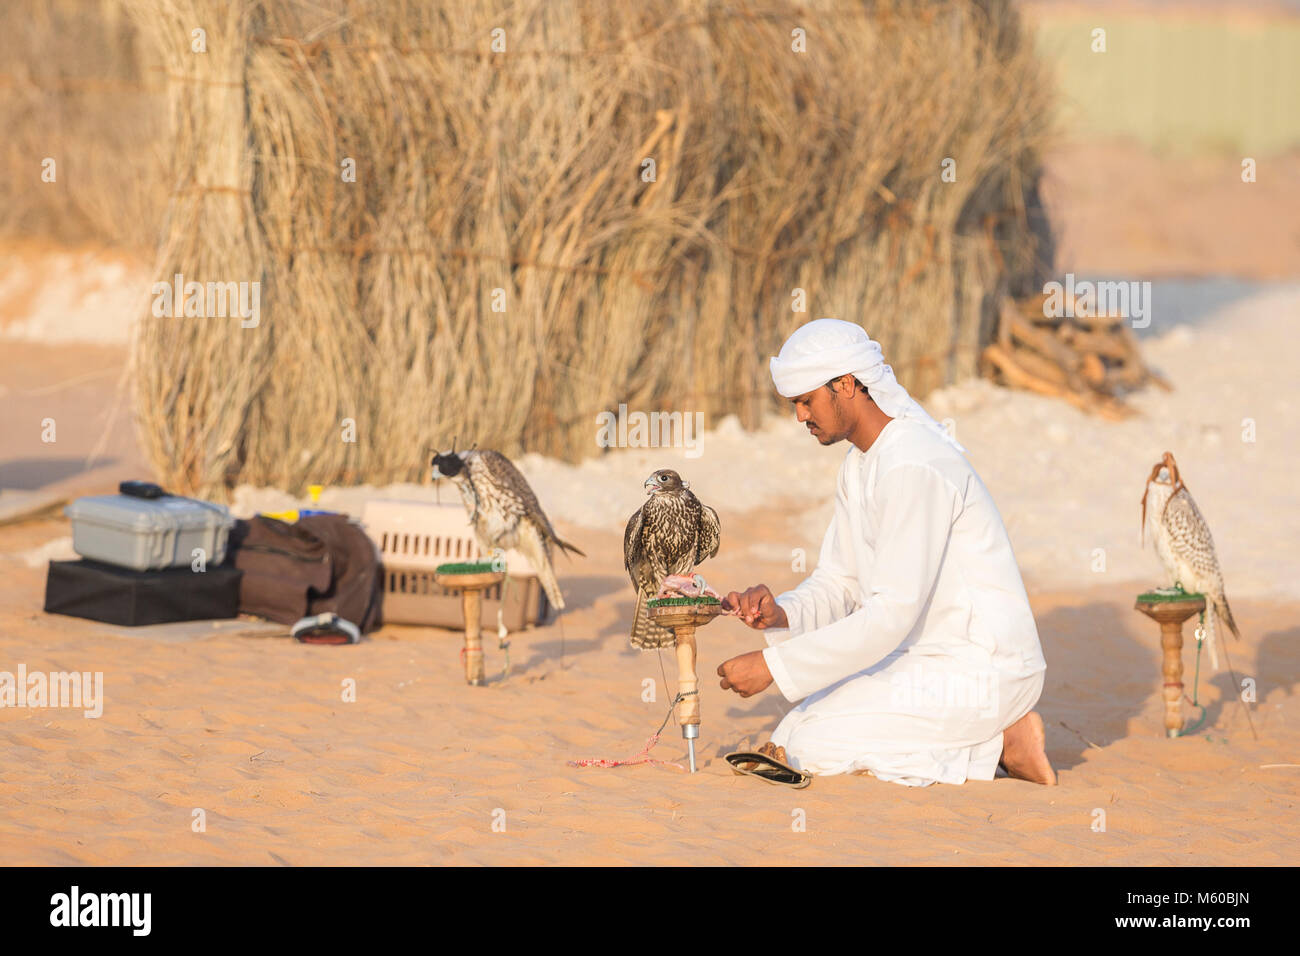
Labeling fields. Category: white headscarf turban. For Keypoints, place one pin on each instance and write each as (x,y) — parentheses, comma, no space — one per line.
(825,349)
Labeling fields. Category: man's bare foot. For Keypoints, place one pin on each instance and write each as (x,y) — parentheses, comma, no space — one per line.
(769,749)
(1023,753)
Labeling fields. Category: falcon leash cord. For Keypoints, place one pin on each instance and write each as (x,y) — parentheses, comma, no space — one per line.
(644,755)
(1236,689)
(1196,684)
(503,642)
(1196,687)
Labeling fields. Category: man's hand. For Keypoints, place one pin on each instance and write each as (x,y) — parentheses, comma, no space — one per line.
(757,608)
(747,674)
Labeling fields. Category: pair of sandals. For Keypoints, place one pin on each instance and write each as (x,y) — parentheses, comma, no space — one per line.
(769,763)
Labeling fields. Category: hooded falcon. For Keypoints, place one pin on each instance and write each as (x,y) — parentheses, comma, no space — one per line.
(504,511)
(670,534)
(1183,541)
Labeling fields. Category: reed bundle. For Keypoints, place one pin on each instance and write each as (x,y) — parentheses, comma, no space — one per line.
(517,179)
(74,90)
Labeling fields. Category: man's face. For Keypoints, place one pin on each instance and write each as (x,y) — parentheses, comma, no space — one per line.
(823,411)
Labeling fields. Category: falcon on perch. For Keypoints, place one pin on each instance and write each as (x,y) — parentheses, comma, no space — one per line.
(504,511)
(668,535)
(1183,541)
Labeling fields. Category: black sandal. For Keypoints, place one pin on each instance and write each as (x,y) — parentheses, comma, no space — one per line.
(768,768)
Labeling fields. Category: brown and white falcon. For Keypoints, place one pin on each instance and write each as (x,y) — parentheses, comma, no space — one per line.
(668,535)
(504,511)
(1182,539)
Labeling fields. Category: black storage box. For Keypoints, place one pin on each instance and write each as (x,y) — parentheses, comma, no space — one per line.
(103,592)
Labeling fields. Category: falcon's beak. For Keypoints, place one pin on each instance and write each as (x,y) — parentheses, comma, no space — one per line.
(650,484)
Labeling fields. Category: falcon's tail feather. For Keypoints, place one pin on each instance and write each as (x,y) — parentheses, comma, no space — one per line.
(533,547)
(1225,613)
(546,575)
(1212,639)
(646,634)
(568,548)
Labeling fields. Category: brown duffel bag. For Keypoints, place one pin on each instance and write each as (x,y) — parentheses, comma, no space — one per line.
(321,563)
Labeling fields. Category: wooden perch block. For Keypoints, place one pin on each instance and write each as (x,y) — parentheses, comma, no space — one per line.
(471,585)
(688,684)
(1170,615)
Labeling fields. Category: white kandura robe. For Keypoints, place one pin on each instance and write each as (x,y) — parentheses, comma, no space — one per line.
(912,646)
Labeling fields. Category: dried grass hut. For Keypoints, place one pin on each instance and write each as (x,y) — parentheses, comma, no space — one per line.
(561,206)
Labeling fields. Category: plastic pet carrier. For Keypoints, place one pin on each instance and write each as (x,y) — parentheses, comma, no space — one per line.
(413,538)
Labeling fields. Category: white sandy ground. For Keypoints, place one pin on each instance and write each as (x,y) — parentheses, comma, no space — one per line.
(84,296)
(1067,484)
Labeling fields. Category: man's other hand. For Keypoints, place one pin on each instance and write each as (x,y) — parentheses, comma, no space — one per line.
(747,674)
(757,607)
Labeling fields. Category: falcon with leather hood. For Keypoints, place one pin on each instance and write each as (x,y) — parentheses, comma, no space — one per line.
(504,511)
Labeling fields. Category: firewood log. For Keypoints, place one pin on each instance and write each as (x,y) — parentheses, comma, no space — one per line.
(1103,344)
(1050,347)
(1013,374)
(1094,370)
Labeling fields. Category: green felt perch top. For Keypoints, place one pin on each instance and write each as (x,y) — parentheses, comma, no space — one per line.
(673,601)
(1167,594)
(470,567)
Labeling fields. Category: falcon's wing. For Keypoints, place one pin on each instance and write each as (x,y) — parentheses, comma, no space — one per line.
(710,535)
(1186,527)
(631,540)
(635,559)
(511,486)
(521,500)
(646,634)
(1190,538)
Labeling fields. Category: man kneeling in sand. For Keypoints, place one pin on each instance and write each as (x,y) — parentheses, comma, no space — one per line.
(911,648)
